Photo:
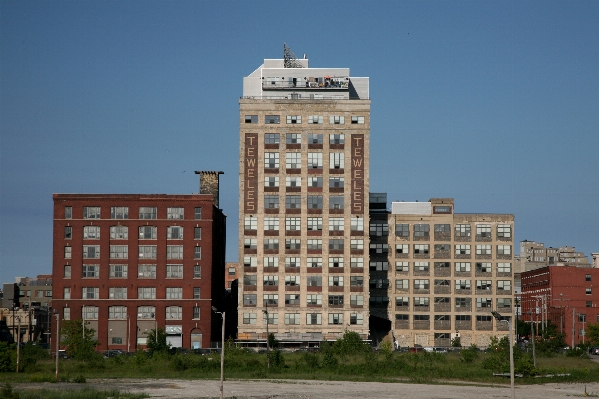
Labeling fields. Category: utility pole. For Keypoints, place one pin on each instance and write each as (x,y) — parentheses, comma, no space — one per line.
(18,342)
(267,335)
(573,327)
(57,342)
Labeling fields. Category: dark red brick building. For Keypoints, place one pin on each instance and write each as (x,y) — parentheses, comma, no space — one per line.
(128,263)
(567,296)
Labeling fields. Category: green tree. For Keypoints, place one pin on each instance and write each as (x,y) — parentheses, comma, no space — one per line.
(79,342)
(592,332)
(351,343)
(157,341)
(7,352)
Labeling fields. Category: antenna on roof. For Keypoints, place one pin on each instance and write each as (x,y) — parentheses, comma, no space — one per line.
(290,60)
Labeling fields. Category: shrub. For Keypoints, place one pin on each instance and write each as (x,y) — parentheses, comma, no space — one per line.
(80,379)
(6,355)
(470,354)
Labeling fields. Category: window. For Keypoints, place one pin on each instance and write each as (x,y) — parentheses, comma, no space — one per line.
(251,119)
(67,271)
(442,228)
(271,202)
(483,230)
(146,312)
(232,271)
(174,293)
(484,285)
(421,248)
(91,271)
(293,138)
(462,249)
(292,281)
(357,120)
(119,212)
(337,139)
(147,232)
(68,212)
(293,201)
(315,160)
(197,213)
(119,252)
(313,318)
(271,280)
(463,267)
(293,181)
(314,224)
(504,250)
(271,181)
(314,300)
(589,304)
(292,299)
(271,261)
(335,318)
(292,318)
(118,271)
(504,231)
(146,271)
(442,209)
(292,243)
(462,317)
(66,312)
(483,318)
(336,182)
(356,300)
(335,262)
(293,262)
(402,249)
(196,292)
(197,233)
(401,267)
(196,312)
(421,267)
(337,120)
(271,138)
(504,267)
(148,212)
(336,202)
(421,302)
(483,267)
(314,201)
(67,293)
(271,318)
(197,271)
(68,232)
(356,281)
(313,262)
(504,303)
(91,232)
(336,160)
(336,244)
(315,244)
(146,292)
(379,266)
(462,284)
(91,251)
(119,233)
(402,284)
(271,223)
(314,281)
(421,230)
(174,271)
(117,293)
(588,291)
(249,300)
(379,229)
(335,281)
(271,160)
(293,160)
(270,299)
(314,138)
(483,250)
(357,244)
(315,119)
(421,284)
(249,318)
(174,312)
(197,253)
(402,230)
(335,300)
(315,181)
(357,224)
(463,303)
(90,312)
(402,317)
(91,293)
(587,277)
(462,230)
(174,251)
(582,318)
(91,212)
(276,119)
(504,285)
(174,213)
(174,233)
(294,119)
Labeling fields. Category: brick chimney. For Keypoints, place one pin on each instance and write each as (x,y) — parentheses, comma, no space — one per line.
(209,183)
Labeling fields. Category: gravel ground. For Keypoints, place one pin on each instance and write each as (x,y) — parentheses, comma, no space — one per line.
(302,389)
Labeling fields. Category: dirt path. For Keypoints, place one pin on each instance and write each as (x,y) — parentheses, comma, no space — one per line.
(301,389)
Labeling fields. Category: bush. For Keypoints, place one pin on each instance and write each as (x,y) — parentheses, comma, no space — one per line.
(6,355)
(8,393)
(470,354)
(80,379)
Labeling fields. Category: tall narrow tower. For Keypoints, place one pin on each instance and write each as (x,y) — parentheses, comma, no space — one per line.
(304,180)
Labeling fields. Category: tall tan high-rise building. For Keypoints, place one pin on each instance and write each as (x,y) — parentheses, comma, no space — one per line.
(304,165)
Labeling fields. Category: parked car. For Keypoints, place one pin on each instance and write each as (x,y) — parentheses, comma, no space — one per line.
(593,351)
(112,353)
(439,350)
(415,349)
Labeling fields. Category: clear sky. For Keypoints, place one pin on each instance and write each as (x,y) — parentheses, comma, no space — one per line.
(493,103)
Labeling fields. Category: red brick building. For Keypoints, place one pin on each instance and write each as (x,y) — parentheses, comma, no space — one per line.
(567,296)
(128,263)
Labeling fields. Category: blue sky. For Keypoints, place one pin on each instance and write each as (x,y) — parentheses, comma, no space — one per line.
(493,103)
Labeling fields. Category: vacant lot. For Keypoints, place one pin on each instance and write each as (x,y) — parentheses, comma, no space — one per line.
(302,389)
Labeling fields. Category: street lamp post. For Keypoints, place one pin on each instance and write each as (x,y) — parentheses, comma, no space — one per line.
(509,326)
(57,342)
(18,342)
(222,352)
(267,336)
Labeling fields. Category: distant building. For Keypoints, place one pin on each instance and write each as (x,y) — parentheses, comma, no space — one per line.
(567,296)
(231,273)
(446,272)
(534,255)
(129,263)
